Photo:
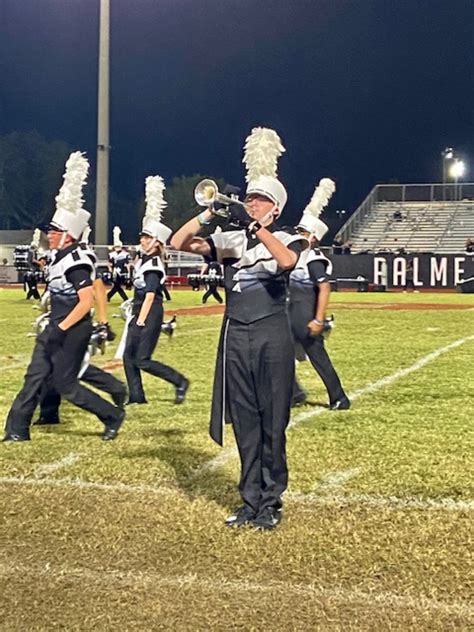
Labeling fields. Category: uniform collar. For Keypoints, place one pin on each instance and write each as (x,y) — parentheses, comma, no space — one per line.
(60,254)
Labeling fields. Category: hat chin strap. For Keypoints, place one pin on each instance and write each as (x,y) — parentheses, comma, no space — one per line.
(271,214)
(152,243)
(62,240)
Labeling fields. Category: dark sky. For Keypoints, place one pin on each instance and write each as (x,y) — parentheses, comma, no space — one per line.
(362,91)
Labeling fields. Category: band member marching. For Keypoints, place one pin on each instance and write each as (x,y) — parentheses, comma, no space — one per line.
(309,298)
(89,373)
(144,327)
(60,349)
(119,266)
(211,271)
(255,363)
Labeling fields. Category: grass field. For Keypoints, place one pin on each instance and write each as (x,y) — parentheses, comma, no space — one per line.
(377,533)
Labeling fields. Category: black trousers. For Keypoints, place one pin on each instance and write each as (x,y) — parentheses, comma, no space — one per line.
(259,373)
(93,375)
(30,287)
(319,358)
(61,368)
(117,288)
(139,347)
(212,291)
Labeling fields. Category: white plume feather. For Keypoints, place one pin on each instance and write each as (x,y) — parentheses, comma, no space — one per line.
(116,232)
(70,197)
(35,241)
(321,196)
(155,202)
(262,149)
(86,234)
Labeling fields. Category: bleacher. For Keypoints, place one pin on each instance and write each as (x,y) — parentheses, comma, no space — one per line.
(412,225)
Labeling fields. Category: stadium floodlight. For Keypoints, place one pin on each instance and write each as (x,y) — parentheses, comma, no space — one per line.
(457,170)
(448,153)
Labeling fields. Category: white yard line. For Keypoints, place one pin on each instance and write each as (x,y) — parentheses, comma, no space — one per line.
(336,479)
(379,501)
(216,585)
(229,453)
(49,468)
(169,489)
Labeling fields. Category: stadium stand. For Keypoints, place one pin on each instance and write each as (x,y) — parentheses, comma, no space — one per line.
(401,223)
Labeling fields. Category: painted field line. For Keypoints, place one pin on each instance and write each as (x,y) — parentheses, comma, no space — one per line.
(336,479)
(168,489)
(228,453)
(18,365)
(49,468)
(387,380)
(379,501)
(217,584)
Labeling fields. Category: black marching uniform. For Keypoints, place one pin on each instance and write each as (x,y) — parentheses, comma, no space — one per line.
(255,364)
(312,269)
(214,275)
(119,262)
(88,373)
(58,355)
(141,341)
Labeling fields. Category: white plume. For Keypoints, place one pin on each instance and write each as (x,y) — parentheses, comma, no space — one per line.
(35,241)
(86,234)
(262,149)
(70,197)
(321,196)
(155,202)
(116,232)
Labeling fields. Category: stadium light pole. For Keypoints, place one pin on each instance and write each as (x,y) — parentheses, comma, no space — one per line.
(446,154)
(103,146)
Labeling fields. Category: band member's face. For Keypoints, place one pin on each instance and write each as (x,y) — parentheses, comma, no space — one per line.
(54,239)
(258,206)
(147,243)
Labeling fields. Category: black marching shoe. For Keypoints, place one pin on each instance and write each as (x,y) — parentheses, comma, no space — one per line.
(12,436)
(46,421)
(244,515)
(268,519)
(111,431)
(341,404)
(181,391)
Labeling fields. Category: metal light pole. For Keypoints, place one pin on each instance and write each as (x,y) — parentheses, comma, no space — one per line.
(446,154)
(103,147)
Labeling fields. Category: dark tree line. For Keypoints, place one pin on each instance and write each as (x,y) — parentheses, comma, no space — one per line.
(31,170)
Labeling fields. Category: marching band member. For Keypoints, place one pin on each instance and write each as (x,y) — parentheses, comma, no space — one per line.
(89,373)
(60,349)
(144,327)
(255,363)
(119,264)
(213,271)
(309,298)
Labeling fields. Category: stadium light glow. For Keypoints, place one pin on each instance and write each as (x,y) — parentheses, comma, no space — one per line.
(457,169)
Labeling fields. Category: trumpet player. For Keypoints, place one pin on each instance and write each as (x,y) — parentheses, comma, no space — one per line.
(255,363)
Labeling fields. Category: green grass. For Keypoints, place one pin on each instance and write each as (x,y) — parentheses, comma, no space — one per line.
(154,554)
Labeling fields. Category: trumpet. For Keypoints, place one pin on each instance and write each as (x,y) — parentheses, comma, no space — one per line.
(207,193)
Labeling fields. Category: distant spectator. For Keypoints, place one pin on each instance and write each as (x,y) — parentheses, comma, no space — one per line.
(347,247)
(4,261)
(397,216)
(469,245)
(337,245)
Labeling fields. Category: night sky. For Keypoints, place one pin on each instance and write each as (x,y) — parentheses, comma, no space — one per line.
(363,91)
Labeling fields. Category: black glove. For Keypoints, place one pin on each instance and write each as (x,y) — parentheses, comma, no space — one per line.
(54,337)
(238,216)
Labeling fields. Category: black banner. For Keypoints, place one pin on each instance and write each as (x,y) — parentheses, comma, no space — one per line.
(423,271)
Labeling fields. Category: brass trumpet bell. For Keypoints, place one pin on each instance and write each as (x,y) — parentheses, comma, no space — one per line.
(207,193)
